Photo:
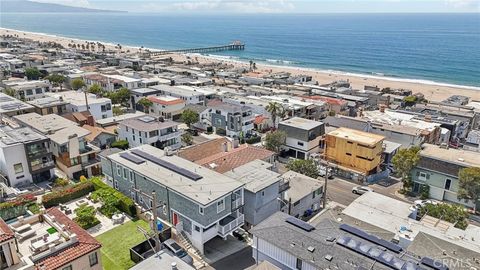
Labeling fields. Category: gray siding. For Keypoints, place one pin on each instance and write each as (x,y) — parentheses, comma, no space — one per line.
(301,134)
(258,207)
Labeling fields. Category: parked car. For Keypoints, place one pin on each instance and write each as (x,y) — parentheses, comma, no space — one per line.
(178,251)
(240,234)
(420,203)
(361,190)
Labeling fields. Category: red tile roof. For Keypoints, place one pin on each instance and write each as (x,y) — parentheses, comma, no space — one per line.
(329,100)
(85,245)
(226,161)
(165,102)
(5,232)
(259,119)
(204,149)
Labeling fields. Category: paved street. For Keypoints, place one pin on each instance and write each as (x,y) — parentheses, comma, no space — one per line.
(340,191)
(237,261)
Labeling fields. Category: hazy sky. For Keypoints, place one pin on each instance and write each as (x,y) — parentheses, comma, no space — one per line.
(278,6)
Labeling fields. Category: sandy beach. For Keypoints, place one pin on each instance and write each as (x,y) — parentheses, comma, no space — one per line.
(431,90)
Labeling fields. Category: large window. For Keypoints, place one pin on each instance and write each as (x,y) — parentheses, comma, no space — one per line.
(93,259)
(448,183)
(67,267)
(299,264)
(18,168)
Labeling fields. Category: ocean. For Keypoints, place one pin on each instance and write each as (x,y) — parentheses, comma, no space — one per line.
(443,48)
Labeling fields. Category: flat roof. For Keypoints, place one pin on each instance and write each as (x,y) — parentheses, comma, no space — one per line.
(10,136)
(11,104)
(148,123)
(177,90)
(162,260)
(211,187)
(45,123)
(357,136)
(300,185)
(118,118)
(46,102)
(256,175)
(78,98)
(301,123)
(457,156)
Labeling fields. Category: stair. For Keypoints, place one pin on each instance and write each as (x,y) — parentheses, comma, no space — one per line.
(184,241)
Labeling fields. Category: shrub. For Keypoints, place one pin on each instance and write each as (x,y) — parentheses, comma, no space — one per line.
(21,200)
(61,182)
(424,192)
(106,194)
(67,194)
(86,216)
(253,140)
(83,178)
(122,144)
(34,208)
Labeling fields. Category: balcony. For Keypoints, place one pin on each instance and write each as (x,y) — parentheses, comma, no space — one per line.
(91,162)
(89,149)
(237,203)
(229,224)
(48,164)
(169,136)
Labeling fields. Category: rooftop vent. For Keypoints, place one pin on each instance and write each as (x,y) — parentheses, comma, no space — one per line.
(147,119)
(311,249)
(328,257)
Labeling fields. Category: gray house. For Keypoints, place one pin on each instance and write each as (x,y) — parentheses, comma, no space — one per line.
(303,195)
(236,120)
(261,190)
(198,201)
(304,137)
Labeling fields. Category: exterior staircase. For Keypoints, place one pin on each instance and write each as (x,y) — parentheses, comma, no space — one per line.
(199,259)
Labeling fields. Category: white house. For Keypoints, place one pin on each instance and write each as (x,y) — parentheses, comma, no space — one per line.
(99,107)
(166,106)
(28,90)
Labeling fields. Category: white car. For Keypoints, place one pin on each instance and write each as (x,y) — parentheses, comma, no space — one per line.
(420,203)
(361,190)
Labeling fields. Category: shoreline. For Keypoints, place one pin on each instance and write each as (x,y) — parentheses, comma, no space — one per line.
(435,91)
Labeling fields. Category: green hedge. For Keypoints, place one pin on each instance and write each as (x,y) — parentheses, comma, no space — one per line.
(124,203)
(67,194)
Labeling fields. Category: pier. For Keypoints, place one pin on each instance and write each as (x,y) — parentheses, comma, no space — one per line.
(234,46)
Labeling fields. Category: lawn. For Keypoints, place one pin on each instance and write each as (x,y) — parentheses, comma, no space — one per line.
(116,245)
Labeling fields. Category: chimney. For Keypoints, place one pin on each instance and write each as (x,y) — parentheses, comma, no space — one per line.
(382,108)
(428,118)
(174,266)
(224,147)
(235,143)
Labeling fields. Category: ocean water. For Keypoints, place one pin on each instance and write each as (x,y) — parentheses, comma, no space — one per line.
(444,48)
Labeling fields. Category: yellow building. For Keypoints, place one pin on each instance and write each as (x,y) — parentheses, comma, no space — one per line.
(354,149)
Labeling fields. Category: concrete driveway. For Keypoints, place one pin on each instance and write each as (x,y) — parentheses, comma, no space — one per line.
(217,248)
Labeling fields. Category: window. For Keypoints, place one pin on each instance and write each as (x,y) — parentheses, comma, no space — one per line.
(201,210)
(422,176)
(18,168)
(131,176)
(197,228)
(220,205)
(29,92)
(140,140)
(125,173)
(38,91)
(448,183)
(348,154)
(263,193)
(299,264)
(300,143)
(296,203)
(140,199)
(119,170)
(133,137)
(313,194)
(93,259)
(67,267)
(115,184)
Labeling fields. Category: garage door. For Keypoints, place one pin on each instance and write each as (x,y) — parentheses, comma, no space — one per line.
(436,193)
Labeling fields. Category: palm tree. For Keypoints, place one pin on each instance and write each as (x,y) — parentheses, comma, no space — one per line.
(275,109)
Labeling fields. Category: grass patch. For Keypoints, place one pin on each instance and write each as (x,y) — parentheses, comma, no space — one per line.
(116,244)
(34,208)
(51,230)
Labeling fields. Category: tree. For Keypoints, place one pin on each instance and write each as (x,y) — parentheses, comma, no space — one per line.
(10,92)
(274,140)
(146,104)
(78,83)
(86,216)
(403,162)
(33,73)
(117,111)
(56,79)
(187,138)
(469,185)
(189,117)
(275,109)
(121,96)
(95,89)
(304,166)
(122,144)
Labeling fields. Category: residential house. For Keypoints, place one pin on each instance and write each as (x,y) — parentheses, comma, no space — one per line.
(150,130)
(472,142)
(28,90)
(99,107)
(72,153)
(235,120)
(167,107)
(354,150)
(100,137)
(335,105)
(49,105)
(10,106)
(139,93)
(111,123)
(68,246)
(202,204)
(302,195)
(81,118)
(190,96)
(111,82)
(438,168)
(303,137)
(261,195)
(24,156)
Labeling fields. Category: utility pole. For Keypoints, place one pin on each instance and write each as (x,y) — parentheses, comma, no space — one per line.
(325,188)
(153,198)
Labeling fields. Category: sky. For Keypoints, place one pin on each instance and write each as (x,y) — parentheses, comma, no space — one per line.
(279,6)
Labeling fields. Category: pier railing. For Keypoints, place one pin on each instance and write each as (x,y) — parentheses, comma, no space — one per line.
(236,46)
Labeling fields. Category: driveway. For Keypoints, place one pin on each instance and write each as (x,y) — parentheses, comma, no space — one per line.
(238,261)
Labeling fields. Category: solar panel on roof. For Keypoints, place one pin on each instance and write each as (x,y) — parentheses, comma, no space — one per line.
(167,165)
(300,224)
(372,238)
(411,266)
(132,158)
(438,265)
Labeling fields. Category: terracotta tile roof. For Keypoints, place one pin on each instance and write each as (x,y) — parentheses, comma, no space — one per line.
(329,100)
(226,161)
(165,102)
(205,149)
(85,245)
(259,119)
(5,232)
(95,131)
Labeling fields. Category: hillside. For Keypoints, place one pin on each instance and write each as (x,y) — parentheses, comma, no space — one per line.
(26,6)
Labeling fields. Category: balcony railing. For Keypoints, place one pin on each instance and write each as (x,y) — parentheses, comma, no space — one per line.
(233,223)
(90,148)
(237,203)
(170,136)
(91,162)
(43,165)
